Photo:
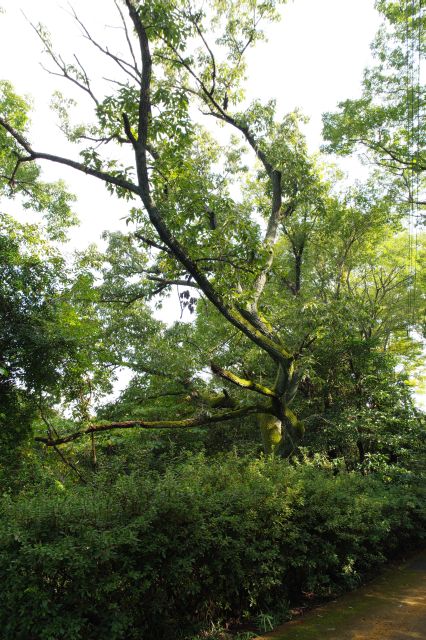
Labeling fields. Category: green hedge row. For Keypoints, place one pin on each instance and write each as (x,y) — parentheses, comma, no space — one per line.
(155,556)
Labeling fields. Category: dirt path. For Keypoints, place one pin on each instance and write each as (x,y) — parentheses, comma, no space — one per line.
(392,607)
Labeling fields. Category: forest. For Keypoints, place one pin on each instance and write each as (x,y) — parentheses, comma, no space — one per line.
(267,446)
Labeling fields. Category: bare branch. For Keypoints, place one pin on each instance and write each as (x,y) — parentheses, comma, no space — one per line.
(105,140)
(117,82)
(129,42)
(125,66)
(64,68)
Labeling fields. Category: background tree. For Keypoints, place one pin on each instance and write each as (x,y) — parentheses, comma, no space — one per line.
(50,336)
(387,122)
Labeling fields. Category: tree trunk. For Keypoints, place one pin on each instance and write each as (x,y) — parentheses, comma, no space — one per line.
(271,430)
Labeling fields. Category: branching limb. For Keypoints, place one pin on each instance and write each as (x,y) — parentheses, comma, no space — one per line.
(260,324)
(125,66)
(379,147)
(104,139)
(37,155)
(79,78)
(269,345)
(11,179)
(53,433)
(152,243)
(218,110)
(198,421)
(136,143)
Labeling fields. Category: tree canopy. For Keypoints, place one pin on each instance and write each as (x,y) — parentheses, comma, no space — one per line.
(279,261)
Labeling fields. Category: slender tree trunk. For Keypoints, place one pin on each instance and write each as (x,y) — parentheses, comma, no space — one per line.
(298,272)
(94,457)
(361,451)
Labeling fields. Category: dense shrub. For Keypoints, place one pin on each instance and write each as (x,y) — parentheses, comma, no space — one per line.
(154,556)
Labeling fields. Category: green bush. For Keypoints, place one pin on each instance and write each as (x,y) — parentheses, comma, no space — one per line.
(158,556)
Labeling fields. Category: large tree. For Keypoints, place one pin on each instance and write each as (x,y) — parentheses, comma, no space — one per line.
(386,124)
(209,218)
(181,54)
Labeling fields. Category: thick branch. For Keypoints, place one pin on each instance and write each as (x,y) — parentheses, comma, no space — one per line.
(234,317)
(241,382)
(269,239)
(275,350)
(144,96)
(198,421)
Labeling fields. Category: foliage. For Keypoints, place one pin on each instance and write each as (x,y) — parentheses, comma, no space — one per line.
(32,347)
(386,121)
(202,226)
(51,347)
(305,307)
(21,180)
(209,540)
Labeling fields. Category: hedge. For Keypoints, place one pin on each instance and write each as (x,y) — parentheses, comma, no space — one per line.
(159,556)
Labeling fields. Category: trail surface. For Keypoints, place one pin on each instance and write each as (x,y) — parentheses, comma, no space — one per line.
(392,607)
